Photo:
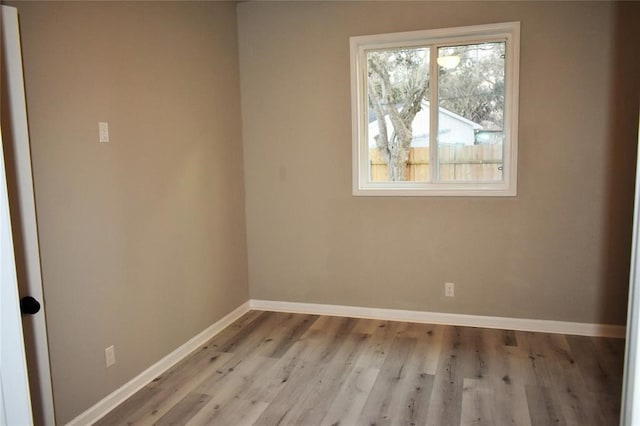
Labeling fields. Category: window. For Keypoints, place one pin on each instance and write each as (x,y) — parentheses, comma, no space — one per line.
(436,112)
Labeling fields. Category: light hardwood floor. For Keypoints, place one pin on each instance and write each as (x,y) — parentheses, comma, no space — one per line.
(291,369)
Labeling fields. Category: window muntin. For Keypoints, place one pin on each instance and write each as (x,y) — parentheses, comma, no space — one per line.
(470,73)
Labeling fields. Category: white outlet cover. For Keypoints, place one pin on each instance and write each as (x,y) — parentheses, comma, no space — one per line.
(449,289)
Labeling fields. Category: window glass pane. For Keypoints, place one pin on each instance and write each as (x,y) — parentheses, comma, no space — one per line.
(471,112)
(398,114)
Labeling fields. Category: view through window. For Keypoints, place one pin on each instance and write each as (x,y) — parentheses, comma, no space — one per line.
(434,114)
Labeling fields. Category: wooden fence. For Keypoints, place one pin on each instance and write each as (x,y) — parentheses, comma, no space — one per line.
(457,163)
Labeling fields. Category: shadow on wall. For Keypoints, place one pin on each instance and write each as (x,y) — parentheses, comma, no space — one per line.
(621,163)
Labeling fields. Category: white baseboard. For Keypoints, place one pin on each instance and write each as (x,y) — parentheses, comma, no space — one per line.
(519,324)
(114,399)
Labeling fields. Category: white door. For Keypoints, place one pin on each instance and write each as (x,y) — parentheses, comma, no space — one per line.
(17,159)
(630,412)
(15,404)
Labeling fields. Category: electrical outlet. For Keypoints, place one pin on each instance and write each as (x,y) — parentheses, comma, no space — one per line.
(449,289)
(110,356)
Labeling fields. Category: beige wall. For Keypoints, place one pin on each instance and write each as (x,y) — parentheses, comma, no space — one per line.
(143,239)
(558,251)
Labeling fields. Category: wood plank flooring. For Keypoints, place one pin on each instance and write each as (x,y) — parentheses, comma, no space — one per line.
(290,369)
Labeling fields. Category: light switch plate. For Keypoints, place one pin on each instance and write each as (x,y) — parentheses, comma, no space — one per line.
(103,131)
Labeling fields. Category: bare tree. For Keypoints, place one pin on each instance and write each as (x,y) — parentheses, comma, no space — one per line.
(475,88)
(398,82)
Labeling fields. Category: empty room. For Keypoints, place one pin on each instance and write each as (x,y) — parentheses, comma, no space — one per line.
(252,212)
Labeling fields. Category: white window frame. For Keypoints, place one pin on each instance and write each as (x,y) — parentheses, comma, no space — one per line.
(359,45)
